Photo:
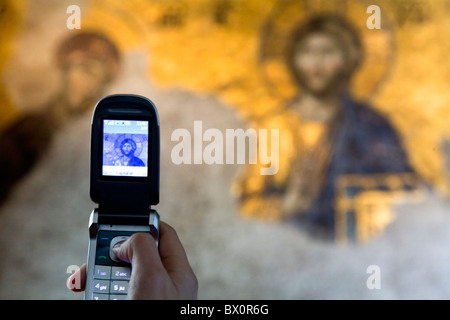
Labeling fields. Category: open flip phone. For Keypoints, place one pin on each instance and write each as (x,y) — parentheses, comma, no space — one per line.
(125,153)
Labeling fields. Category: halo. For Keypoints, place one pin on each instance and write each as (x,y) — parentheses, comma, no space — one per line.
(136,138)
(378,45)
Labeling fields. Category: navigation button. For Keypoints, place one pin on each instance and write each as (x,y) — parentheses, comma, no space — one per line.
(114,241)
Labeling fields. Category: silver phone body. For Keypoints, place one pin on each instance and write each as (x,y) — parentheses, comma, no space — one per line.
(95,232)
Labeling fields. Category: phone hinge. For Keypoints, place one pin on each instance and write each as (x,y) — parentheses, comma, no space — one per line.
(123,216)
(96,220)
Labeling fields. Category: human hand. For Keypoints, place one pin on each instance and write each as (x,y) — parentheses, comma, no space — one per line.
(157,274)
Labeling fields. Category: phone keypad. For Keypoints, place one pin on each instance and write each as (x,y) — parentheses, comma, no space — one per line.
(111,282)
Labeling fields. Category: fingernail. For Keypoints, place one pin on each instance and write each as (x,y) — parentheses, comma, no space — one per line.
(117,245)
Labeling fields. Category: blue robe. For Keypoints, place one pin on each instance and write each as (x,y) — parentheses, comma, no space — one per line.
(362,142)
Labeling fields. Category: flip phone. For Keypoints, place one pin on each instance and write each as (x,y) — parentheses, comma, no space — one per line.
(124,182)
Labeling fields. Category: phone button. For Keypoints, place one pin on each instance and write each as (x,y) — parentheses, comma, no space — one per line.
(113,242)
(102,272)
(119,287)
(120,273)
(101,286)
(117,297)
(100,296)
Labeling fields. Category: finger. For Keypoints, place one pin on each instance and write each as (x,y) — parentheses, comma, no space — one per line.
(176,262)
(140,250)
(77,281)
(171,250)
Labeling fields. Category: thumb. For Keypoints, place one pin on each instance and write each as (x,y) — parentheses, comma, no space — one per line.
(121,251)
(139,249)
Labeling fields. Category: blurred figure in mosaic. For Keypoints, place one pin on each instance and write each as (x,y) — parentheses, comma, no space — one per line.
(88,62)
(324,133)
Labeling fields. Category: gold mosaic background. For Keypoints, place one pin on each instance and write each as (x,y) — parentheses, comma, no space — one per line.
(217,48)
(229,50)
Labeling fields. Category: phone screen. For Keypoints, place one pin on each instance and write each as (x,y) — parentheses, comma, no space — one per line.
(125,148)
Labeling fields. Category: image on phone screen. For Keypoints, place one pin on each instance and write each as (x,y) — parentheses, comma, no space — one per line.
(125,148)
